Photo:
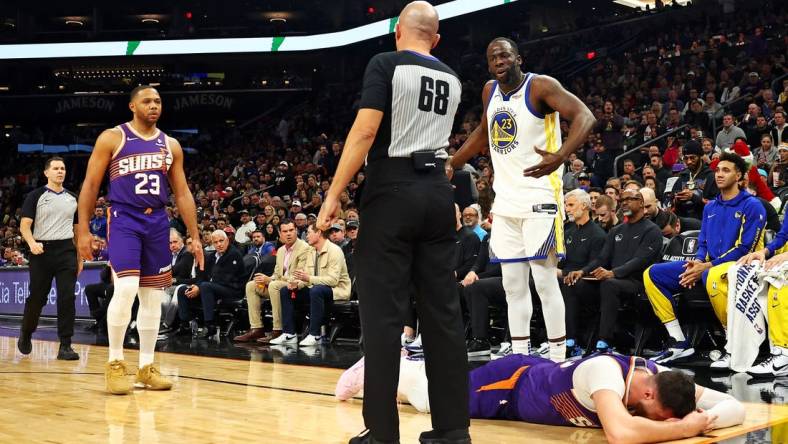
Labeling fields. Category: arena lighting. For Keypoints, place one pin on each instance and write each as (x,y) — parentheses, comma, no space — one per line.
(188,15)
(277,20)
(590,55)
(376,29)
(150,20)
(75,22)
(641,4)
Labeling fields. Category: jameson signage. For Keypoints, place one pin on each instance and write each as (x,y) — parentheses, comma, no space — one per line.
(201,100)
(85,102)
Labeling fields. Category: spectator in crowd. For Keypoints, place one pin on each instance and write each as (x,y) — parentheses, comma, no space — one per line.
(301,223)
(609,127)
(697,117)
(732,227)
(668,223)
(98,224)
(284,183)
(99,249)
(765,154)
(570,178)
(605,213)
(222,279)
(468,244)
(584,241)
(601,164)
(243,235)
(291,256)
(729,133)
(482,288)
(470,219)
(695,185)
(98,295)
(613,191)
(259,246)
(630,172)
(617,270)
(756,132)
(183,274)
(336,234)
(324,280)
(778,173)
(663,173)
(779,133)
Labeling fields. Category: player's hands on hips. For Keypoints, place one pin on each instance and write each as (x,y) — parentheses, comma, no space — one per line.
(748,259)
(84,247)
(36,248)
(328,213)
(199,254)
(550,162)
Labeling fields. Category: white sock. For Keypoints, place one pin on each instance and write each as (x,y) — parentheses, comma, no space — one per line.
(119,313)
(148,317)
(674,330)
(557,351)
(521,346)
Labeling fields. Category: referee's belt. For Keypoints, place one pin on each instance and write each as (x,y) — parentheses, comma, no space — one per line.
(55,242)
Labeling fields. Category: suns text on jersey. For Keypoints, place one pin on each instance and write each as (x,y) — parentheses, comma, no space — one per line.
(141,162)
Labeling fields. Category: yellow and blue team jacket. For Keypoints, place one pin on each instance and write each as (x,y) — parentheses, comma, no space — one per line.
(731,228)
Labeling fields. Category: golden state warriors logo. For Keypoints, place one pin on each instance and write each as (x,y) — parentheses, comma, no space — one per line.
(503,131)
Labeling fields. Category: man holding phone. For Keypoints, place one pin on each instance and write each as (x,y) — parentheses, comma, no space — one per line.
(695,185)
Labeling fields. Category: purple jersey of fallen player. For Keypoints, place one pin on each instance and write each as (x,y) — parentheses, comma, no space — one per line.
(138,172)
(537,390)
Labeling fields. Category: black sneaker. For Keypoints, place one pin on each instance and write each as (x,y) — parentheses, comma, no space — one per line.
(24,344)
(366,437)
(478,347)
(66,353)
(574,352)
(457,436)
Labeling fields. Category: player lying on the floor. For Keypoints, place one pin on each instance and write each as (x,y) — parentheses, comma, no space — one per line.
(633,399)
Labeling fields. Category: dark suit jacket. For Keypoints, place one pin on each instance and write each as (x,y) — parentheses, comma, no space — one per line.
(467,249)
(228,271)
(182,270)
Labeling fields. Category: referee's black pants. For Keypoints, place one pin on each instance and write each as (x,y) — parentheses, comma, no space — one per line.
(59,261)
(408,234)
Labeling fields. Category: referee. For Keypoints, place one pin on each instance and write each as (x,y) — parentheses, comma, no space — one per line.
(406,114)
(48,224)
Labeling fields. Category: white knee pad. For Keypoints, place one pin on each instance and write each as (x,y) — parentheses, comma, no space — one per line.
(119,310)
(149,313)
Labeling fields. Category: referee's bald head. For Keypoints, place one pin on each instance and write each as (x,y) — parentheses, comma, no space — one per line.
(418,22)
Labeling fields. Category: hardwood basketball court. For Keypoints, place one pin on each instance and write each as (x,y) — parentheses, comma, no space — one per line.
(226,400)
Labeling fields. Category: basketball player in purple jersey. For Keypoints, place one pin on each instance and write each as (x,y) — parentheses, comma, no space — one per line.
(633,399)
(142,163)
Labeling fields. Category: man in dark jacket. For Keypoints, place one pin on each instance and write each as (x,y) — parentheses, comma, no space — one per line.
(467,247)
(695,185)
(616,273)
(222,279)
(182,274)
(483,286)
(584,241)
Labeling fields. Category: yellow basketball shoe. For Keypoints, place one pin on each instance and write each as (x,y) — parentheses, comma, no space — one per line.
(115,375)
(151,378)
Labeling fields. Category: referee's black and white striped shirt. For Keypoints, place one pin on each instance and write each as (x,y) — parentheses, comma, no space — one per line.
(54,214)
(418,96)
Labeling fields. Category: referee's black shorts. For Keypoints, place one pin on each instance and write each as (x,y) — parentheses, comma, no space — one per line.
(408,232)
(59,261)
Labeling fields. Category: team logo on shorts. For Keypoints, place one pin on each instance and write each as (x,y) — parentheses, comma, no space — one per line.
(503,131)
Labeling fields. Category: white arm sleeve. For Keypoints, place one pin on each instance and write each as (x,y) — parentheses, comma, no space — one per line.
(729,411)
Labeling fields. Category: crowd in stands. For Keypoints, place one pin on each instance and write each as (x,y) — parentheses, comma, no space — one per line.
(667,109)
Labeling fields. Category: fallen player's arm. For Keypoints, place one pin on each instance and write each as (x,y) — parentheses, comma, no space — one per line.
(728,410)
(622,428)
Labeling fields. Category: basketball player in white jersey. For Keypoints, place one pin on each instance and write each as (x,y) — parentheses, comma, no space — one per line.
(521,127)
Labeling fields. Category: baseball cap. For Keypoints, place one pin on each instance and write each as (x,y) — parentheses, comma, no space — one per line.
(583,176)
(754,74)
(243,212)
(692,147)
(228,189)
(335,227)
(783,146)
(229,229)
(296,202)
(284,162)
(312,215)
(352,224)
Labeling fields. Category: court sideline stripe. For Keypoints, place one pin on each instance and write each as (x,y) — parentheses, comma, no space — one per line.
(196,378)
